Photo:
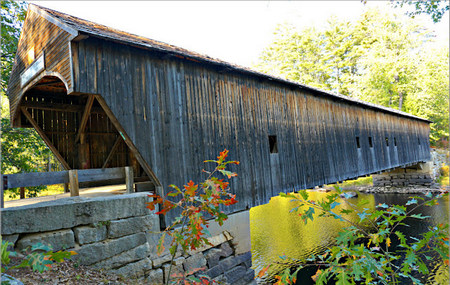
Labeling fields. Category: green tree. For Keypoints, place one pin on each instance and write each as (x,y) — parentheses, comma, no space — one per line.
(380,58)
(22,149)
(12,17)
(435,8)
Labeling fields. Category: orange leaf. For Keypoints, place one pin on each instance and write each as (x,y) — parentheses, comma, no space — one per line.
(263,271)
(314,277)
(379,273)
(223,155)
(388,242)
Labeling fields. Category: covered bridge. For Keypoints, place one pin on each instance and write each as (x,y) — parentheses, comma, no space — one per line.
(100,98)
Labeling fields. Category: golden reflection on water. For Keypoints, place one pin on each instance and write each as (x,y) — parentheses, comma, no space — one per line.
(275,231)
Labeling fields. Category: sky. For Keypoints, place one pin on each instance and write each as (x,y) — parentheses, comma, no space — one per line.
(234,31)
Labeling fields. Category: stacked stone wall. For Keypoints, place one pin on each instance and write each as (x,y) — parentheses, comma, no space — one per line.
(417,175)
(118,233)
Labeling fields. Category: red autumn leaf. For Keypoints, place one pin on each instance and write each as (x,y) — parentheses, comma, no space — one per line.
(191,188)
(223,155)
(263,271)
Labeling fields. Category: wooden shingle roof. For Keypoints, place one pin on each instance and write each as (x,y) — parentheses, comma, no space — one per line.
(75,24)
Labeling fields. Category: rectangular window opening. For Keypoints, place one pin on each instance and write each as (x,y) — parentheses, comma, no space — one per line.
(395,141)
(358,145)
(370,142)
(273,147)
(387,141)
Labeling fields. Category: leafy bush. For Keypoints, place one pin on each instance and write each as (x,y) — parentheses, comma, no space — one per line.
(197,202)
(374,250)
(39,257)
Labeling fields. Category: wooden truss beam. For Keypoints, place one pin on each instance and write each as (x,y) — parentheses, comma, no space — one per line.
(112,151)
(130,144)
(45,138)
(84,119)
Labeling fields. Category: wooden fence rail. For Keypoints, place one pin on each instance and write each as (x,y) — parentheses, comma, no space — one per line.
(72,177)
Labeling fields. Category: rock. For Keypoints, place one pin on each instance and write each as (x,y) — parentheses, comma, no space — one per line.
(228,263)
(235,274)
(6,279)
(194,263)
(155,277)
(159,261)
(136,269)
(212,256)
(71,212)
(348,195)
(175,271)
(129,226)
(214,271)
(221,279)
(10,238)
(96,252)
(125,257)
(226,249)
(244,258)
(58,240)
(247,279)
(90,234)
(178,261)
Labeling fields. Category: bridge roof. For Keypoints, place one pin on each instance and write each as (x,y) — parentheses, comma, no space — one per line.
(75,25)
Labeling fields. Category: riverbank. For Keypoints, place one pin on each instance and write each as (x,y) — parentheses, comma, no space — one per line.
(435,188)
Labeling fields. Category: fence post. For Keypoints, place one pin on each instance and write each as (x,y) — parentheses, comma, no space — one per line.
(129,179)
(73,180)
(2,202)
(22,192)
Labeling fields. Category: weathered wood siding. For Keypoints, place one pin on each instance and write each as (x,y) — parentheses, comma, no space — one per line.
(44,37)
(179,112)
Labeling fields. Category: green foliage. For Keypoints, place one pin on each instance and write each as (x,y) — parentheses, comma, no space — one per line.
(22,149)
(435,8)
(363,252)
(12,17)
(379,57)
(39,257)
(198,203)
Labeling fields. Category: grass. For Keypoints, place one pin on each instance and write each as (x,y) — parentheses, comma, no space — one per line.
(51,190)
(362,181)
(444,177)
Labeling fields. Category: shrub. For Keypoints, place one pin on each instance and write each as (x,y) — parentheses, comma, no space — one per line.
(197,202)
(364,252)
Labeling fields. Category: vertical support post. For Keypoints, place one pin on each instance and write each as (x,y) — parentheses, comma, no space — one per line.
(22,192)
(2,202)
(129,179)
(73,180)
(66,188)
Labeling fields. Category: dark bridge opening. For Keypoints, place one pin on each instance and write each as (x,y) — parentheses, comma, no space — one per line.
(76,129)
(273,147)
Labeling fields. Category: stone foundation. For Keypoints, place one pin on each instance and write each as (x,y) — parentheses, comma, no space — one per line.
(120,234)
(419,174)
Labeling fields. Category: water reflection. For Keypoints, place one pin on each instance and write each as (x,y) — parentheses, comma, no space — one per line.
(276,232)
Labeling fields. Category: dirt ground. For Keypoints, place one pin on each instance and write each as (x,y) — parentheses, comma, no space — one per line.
(67,273)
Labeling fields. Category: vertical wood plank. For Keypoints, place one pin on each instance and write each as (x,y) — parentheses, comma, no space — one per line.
(74,185)
(129,179)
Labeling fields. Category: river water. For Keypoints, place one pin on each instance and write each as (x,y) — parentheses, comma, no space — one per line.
(276,232)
